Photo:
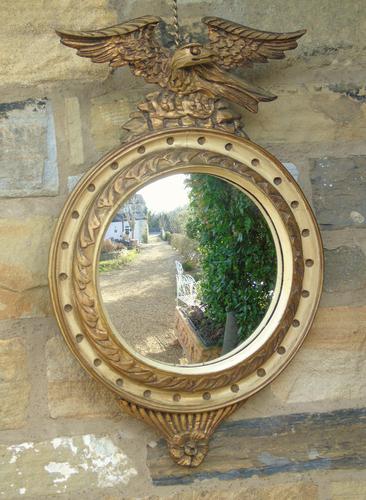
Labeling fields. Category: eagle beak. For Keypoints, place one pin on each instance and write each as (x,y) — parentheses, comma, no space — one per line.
(179,60)
(183,58)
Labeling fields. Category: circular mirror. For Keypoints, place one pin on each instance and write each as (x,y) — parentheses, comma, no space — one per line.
(125,351)
(188,269)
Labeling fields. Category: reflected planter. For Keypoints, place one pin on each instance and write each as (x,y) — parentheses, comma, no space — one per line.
(194,348)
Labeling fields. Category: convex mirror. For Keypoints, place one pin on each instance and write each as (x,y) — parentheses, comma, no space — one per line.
(126,319)
(188,269)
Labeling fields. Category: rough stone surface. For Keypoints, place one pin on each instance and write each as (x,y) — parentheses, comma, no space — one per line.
(35,55)
(345,269)
(28,159)
(348,490)
(330,365)
(304,490)
(72,180)
(71,391)
(305,115)
(279,15)
(74,130)
(63,465)
(24,247)
(108,113)
(323,375)
(292,169)
(340,329)
(288,443)
(339,186)
(14,384)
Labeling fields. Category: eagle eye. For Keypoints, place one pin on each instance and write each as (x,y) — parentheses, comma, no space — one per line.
(195,51)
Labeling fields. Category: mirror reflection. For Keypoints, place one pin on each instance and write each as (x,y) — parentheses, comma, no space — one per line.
(187,269)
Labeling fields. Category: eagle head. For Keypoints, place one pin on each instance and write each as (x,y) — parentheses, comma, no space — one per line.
(190,55)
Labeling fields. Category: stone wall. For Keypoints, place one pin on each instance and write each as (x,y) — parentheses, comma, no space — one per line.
(61,433)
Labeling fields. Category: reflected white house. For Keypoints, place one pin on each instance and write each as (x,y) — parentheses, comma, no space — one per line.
(130,222)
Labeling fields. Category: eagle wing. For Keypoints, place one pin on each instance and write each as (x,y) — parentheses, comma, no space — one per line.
(132,43)
(235,45)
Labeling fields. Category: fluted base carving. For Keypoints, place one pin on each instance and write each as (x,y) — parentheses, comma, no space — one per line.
(187,434)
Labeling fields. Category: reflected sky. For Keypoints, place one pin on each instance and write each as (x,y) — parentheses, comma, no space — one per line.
(166,194)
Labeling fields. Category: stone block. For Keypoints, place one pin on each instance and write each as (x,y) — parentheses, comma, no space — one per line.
(24,248)
(348,490)
(304,490)
(323,375)
(63,465)
(108,113)
(24,304)
(63,12)
(329,367)
(31,52)
(72,180)
(345,269)
(74,130)
(71,391)
(28,160)
(51,61)
(338,329)
(305,116)
(14,384)
(338,190)
(265,447)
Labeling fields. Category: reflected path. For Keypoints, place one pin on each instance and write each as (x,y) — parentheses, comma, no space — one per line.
(141,300)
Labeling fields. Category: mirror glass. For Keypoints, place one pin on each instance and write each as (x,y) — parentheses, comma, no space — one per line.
(187,269)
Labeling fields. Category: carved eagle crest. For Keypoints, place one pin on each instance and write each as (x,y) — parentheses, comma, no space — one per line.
(192,67)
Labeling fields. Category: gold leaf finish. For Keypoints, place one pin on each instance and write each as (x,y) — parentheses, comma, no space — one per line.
(75,253)
(185,403)
(235,45)
(95,325)
(187,434)
(185,127)
(164,110)
(191,68)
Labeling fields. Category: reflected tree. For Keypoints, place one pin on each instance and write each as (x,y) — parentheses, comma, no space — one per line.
(238,256)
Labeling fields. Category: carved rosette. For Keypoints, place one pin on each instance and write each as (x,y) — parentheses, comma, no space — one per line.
(187,434)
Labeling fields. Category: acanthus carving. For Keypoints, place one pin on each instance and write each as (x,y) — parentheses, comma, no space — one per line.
(93,321)
(187,434)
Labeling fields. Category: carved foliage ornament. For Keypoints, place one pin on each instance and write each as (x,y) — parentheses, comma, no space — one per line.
(84,276)
(186,127)
(192,67)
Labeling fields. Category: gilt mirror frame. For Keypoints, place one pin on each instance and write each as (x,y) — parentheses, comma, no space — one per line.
(142,384)
(185,127)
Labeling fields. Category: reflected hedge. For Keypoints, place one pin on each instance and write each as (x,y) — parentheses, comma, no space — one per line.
(238,256)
